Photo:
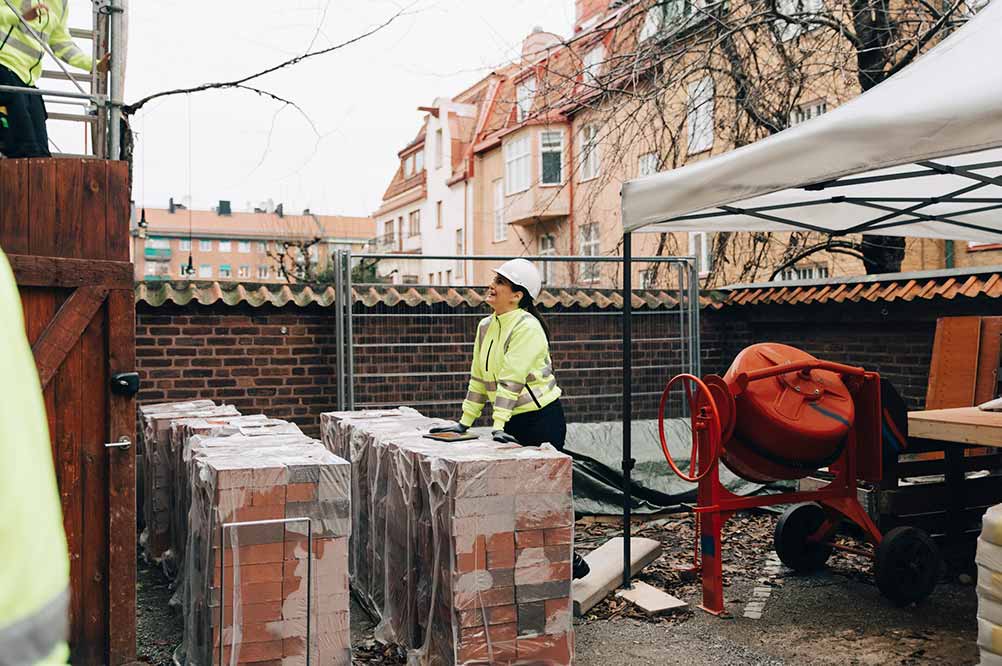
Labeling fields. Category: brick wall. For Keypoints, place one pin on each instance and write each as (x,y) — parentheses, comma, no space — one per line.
(281,360)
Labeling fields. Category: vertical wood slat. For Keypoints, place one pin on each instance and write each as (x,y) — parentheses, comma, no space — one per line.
(94,209)
(953,372)
(119,210)
(14,214)
(43,230)
(94,428)
(122,483)
(67,213)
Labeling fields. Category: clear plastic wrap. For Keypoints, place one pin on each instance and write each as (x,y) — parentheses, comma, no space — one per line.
(462,549)
(157,473)
(266,479)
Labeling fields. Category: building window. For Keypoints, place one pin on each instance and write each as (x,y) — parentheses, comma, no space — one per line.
(805,112)
(592,64)
(408,166)
(419,161)
(647,164)
(500,228)
(648,277)
(547,248)
(699,247)
(151,269)
(205,245)
(431,278)
(185,244)
(589,248)
(438,148)
(182,270)
(205,271)
(243,271)
(225,271)
(796,9)
(388,230)
(459,252)
(517,156)
(448,277)
(525,90)
(670,15)
(262,272)
(551,157)
(413,222)
(805,272)
(589,152)
(699,115)
(438,214)
(224,246)
(243,246)
(158,243)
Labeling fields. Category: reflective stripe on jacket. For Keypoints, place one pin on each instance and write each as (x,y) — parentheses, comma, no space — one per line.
(34,565)
(511,368)
(22,54)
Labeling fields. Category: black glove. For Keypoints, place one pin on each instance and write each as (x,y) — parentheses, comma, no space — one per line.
(502,436)
(458,428)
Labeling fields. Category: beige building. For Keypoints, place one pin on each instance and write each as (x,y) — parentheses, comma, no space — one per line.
(245,247)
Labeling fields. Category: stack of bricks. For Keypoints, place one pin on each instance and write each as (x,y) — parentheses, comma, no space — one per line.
(156,468)
(263,587)
(464,549)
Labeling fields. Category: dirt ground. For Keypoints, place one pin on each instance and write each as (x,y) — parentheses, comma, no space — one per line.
(836,616)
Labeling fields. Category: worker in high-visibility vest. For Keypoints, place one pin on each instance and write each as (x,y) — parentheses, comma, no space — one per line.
(34,564)
(24,26)
(512,369)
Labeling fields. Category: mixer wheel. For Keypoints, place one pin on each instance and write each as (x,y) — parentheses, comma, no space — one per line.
(907,565)
(794,528)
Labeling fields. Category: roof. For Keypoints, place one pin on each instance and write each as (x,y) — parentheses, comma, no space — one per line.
(205,223)
(922,285)
(935,175)
(258,294)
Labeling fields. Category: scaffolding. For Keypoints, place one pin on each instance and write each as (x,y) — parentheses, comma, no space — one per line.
(94,100)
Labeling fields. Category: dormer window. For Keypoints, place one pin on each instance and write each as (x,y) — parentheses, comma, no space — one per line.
(525,91)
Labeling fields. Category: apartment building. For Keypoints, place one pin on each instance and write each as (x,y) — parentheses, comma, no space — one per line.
(561,129)
(240,246)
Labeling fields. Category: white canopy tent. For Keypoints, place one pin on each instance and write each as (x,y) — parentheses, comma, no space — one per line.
(918,155)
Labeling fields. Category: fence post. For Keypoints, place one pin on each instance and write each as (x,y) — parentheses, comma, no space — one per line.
(349,350)
(339,329)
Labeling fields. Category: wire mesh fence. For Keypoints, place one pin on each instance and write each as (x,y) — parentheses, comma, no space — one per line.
(428,364)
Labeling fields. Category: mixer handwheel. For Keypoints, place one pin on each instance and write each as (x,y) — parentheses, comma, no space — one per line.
(792,538)
(907,565)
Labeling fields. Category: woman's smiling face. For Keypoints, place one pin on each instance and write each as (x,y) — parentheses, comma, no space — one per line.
(500,295)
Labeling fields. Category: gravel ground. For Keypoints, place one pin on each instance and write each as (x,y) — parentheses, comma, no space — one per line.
(836,616)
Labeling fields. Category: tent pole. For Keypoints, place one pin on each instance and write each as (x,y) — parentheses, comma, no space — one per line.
(627,402)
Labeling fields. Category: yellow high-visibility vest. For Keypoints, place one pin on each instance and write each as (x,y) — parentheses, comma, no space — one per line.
(34,565)
(22,54)
(511,368)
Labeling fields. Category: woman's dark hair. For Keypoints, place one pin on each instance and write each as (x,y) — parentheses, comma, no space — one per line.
(527,304)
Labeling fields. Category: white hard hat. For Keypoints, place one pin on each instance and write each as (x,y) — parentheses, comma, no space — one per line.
(523,273)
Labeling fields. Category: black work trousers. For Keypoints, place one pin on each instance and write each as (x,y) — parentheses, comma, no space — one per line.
(25,134)
(542,425)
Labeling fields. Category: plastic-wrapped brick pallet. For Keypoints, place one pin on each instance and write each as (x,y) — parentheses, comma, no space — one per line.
(989,561)
(463,549)
(267,477)
(156,474)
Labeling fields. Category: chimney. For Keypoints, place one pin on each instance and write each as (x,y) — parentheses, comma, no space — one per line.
(224,208)
(170,206)
(536,44)
(306,211)
(280,210)
(587,10)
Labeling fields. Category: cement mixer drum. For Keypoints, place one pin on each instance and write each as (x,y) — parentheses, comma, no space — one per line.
(788,426)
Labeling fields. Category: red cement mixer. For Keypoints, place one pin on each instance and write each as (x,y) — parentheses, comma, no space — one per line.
(781,414)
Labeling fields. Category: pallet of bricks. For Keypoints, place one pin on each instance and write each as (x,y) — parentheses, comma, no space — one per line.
(989,561)
(463,550)
(232,468)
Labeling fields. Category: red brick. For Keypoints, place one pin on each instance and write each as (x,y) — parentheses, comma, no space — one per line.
(529,539)
(268,496)
(301,492)
(558,535)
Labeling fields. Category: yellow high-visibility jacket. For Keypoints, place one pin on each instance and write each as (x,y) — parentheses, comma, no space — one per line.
(22,54)
(511,368)
(34,565)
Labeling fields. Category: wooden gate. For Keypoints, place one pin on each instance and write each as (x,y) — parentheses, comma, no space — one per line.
(64,225)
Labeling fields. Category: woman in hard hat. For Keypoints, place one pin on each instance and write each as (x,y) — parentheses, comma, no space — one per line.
(512,368)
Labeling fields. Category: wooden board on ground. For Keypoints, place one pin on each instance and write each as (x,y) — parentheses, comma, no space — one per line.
(963,425)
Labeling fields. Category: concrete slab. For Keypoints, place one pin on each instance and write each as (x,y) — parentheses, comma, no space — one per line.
(650,599)
(606,564)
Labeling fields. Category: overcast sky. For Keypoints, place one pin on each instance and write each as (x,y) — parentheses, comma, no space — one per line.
(363,99)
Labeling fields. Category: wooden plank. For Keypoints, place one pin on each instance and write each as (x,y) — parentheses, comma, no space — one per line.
(41,217)
(964,425)
(58,272)
(94,429)
(94,209)
(989,360)
(65,328)
(14,208)
(934,497)
(119,210)
(66,200)
(122,483)
(953,372)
